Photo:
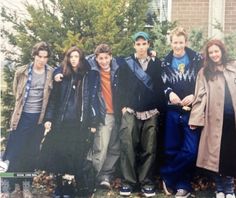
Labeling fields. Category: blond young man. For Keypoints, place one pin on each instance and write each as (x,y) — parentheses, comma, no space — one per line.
(179,71)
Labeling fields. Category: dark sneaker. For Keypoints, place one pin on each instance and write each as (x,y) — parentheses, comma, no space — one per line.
(125,190)
(181,193)
(105,184)
(166,189)
(57,193)
(148,190)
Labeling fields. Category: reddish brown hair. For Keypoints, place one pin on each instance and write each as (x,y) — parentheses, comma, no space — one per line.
(209,65)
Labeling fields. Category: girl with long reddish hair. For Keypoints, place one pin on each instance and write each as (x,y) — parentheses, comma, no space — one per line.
(214,109)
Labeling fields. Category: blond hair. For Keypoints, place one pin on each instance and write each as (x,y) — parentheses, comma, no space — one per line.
(179,31)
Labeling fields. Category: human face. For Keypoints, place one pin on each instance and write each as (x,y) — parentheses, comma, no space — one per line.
(74,59)
(104,61)
(141,47)
(41,59)
(215,54)
(178,45)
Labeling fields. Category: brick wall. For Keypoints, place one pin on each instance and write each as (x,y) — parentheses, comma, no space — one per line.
(191,13)
(230,16)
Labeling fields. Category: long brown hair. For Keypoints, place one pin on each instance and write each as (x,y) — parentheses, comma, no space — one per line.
(66,65)
(210,66)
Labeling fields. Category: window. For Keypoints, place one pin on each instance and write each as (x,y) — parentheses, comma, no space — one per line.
(161,9)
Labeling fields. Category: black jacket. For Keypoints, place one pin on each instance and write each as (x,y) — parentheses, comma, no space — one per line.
(69,100)
(97,103)
(133,92)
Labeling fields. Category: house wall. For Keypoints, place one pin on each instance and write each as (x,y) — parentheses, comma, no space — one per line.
(191,14)
(230,16)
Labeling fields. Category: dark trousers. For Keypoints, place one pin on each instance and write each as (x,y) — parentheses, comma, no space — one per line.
(23,144)
(180,150)
(138,148)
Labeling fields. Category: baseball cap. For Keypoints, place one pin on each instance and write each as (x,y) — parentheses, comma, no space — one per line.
(144,35)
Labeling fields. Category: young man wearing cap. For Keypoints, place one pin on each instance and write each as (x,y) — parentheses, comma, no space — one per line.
(180,68)
(142,100)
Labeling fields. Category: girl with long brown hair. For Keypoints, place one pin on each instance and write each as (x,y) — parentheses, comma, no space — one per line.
(64,150)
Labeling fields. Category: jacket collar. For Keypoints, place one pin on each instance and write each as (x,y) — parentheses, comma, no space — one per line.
(231,66)
(193,56)
(25,68)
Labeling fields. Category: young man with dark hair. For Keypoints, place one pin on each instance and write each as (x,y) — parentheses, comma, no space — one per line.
(142,101)
(31,87)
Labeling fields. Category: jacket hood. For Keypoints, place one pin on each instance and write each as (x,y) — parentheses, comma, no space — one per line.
(94,65)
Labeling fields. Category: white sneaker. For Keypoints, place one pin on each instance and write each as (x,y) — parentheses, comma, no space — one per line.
(105,183)
(4,166)
(182,193)
(220,195)
(230,196)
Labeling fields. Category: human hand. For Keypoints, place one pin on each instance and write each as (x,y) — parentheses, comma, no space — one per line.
(153,53)
(93,130)
(124,110)
(47,125)
(58,77)
(188,100)
(174,98)
(192,127)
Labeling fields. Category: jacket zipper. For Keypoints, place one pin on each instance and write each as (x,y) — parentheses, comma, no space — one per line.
(68,95)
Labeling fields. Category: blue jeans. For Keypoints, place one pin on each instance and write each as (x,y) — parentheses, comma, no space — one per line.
(180,150)
(224,184)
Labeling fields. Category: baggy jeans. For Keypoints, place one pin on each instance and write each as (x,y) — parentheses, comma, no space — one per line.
(106,148)
(138,148)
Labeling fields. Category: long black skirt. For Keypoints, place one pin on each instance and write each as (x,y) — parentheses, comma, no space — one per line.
(23,144)
(64,150)
(228,147)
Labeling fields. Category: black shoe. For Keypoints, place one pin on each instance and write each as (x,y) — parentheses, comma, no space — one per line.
(148,190)
(125,190)
(57,193)
(68,191)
